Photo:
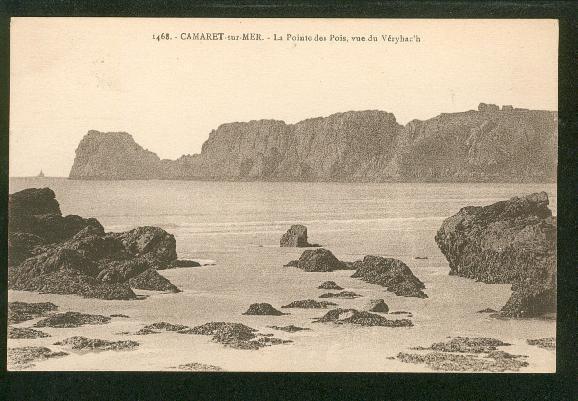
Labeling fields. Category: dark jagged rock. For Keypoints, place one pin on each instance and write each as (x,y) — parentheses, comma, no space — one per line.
(390,273)
(508,145)
(95,344)
(72,255)
(153,241)
(22,357)
(263,309)
(342,294)
(420,257)
(25,332)
(400,312)
(378,305)
(198,367)
(495,362)
(508,242)
(296,236)
(329,285)
(151,280)
(71,319)
(320,260)
(362,318)
(546,343)
(290,329)
(487,310)
(22,311)
(119,315)
(309,304)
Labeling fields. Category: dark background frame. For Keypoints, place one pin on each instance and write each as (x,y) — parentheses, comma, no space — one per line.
(354,386)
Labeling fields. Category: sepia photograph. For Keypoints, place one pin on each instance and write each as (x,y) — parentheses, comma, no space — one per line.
(283,195)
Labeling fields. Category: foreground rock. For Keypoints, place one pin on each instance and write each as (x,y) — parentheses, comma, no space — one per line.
(71,319)
(329,285)
(157,327)
(469,357)
(390,273)
(319,260)
(546,343)
(309,304)
(94,344)
(198,367)
(22,311)
(378,305)
(362,318)
(342,294)
(290,329)
(23,357)
(25,332)
(296,236)
(494,362)
(234,335)
(263,309)
(473,345)
(508,242)
(51,253)
(180,263)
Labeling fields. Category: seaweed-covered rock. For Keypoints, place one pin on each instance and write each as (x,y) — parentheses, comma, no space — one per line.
(342,294)
(320,260)
(25,332)
(290,328)
(309,304)
(263,309)
(23,357)
(378,305)
(508,242)
(390,273)
(53,254)
(296,236)
(151,280)
(234,335)
(329,285)
(494,362)
(546,343)
(161,326)
(362,318)
(473,345)
(71,319)
(181,263)
(22,311)
(95,344)
(198,367)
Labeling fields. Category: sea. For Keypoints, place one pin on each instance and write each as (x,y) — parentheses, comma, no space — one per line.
(233,228)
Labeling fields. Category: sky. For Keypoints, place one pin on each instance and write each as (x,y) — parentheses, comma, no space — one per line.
(71,75)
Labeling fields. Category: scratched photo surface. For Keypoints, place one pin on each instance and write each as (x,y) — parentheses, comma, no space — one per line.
(314,195)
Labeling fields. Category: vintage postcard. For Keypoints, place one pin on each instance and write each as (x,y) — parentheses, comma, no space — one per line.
(283,195)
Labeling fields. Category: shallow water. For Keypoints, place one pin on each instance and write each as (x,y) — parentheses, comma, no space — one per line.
(238,225)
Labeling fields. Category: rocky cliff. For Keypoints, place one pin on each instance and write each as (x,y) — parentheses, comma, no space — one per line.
(484,145)
(509,242)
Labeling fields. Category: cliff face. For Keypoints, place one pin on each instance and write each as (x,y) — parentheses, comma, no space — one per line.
(489,145)
(509,242)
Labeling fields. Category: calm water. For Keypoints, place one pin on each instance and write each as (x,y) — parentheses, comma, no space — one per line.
(238,225)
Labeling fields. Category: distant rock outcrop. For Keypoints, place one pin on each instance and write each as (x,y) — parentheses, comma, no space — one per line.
(390,273)
(59,254)
(263,309)
(511,242)
(513,145)
(296,236)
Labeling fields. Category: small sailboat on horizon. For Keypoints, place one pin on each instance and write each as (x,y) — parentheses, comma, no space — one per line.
(41,174)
